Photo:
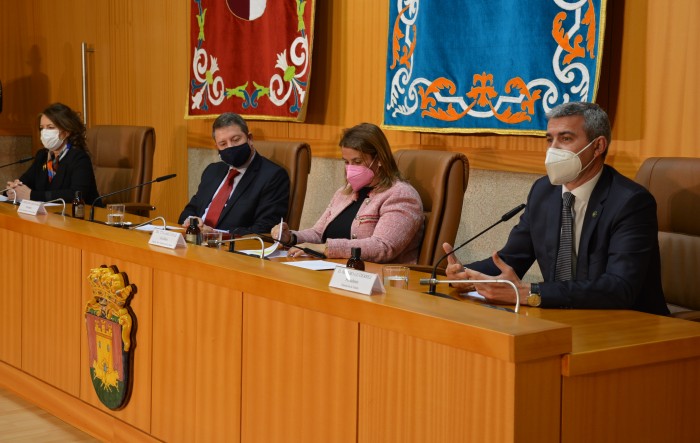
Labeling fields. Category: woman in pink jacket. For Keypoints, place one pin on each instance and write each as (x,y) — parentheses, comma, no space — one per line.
(376,210)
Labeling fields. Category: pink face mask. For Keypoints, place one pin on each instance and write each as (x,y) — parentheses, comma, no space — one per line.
(359,176)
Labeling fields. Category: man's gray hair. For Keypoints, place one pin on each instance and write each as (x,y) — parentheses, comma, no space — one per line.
(596,122)
(229,119)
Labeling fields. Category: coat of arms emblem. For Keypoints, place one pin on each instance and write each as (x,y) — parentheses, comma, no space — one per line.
(110,331)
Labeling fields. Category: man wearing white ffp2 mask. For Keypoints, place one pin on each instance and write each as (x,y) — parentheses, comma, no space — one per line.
(610,252)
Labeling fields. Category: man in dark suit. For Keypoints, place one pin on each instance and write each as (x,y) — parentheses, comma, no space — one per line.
(602,252)
(245,192)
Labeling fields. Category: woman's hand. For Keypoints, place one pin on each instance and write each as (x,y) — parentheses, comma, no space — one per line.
(284,229)
(296,252)
(23,192)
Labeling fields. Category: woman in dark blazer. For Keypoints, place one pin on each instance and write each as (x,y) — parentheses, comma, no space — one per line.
(63,166)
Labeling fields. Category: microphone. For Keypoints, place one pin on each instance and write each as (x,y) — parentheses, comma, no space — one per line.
(14,200)
(21,160)
(505,217)
(159,179)
(433,281)
(148,222)
(267,238)
(63,211)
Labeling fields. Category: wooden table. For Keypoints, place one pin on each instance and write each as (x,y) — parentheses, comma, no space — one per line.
(231,348)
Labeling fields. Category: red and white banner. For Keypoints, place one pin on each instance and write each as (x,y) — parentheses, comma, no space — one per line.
(251,57)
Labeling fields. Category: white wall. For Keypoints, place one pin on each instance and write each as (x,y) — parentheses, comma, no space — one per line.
(490,194)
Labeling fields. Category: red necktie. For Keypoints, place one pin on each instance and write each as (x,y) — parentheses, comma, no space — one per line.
(220,199)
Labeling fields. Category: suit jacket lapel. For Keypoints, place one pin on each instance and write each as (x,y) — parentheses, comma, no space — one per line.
(242,185)
(593,212)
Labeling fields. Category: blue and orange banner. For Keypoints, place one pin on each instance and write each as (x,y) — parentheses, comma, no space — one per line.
(251,57)
(489,65)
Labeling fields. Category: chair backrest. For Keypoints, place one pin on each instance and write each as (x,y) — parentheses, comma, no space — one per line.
(122,156)
(675,184)
(441,178)
(295,158)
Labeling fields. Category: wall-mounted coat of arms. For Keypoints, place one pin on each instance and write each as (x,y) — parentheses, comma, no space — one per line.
(111,331)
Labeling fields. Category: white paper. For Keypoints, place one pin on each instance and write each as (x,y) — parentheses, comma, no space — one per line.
(314,265)
(356,281)
(31,207)
(473,295)
(167,239)
(268,252)
(152,227)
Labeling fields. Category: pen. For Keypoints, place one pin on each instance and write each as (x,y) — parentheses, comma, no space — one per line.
(279,235)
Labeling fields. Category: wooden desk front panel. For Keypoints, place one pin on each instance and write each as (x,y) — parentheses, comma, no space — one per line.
(412,390)
(196,378)
(643,404)
(299,374)
(11,297)
(51,319)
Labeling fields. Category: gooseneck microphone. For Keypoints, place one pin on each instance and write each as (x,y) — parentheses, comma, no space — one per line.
(505,217)
(21,160)
(159,179)
(267,238)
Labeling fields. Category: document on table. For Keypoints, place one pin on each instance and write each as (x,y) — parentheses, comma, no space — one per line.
(314,265)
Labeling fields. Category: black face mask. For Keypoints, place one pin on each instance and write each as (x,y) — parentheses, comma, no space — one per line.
(235,156)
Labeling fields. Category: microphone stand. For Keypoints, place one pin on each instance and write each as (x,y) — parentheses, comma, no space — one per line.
(63,211)
(159,179)
(148,222)
(21,160)
(433,281)
(505,217)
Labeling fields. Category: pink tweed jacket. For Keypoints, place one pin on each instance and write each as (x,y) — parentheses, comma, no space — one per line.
(388,227)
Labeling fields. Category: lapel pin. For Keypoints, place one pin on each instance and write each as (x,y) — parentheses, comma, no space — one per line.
(595,214)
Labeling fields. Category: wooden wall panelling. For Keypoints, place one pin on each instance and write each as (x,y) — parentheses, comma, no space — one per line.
(196,338)
(641,404)
(137,412)
(413,390)
(10,297)
(51,312)
(299,374)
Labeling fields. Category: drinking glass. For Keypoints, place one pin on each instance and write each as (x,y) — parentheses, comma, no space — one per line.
(210,239)
(395,276)
(115,214)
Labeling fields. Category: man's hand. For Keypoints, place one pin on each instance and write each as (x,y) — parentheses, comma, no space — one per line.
(499,292)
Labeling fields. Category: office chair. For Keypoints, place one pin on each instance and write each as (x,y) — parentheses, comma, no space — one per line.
(675,184)
(122,157)
(295,158)
(441,178)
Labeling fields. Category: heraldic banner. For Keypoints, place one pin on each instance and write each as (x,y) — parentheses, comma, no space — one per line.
(489,65)
(251,57)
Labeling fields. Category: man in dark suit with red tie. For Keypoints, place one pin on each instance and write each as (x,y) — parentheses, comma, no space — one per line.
(244,192)
(592,231)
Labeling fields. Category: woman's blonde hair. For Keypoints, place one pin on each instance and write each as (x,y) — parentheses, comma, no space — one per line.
(368,138)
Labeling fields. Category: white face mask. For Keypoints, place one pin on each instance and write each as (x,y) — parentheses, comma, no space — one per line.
(564,166)
(51,139)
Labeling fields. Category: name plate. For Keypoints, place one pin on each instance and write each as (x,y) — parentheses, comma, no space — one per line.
(30,207)
(356,281)
(167,239)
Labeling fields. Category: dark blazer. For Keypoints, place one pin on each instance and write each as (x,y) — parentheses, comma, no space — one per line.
(74,173)
(259,201)
(618,257)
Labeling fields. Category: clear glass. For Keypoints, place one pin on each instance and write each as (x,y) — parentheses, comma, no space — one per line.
(395,276)
(115,214)
(210,239)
